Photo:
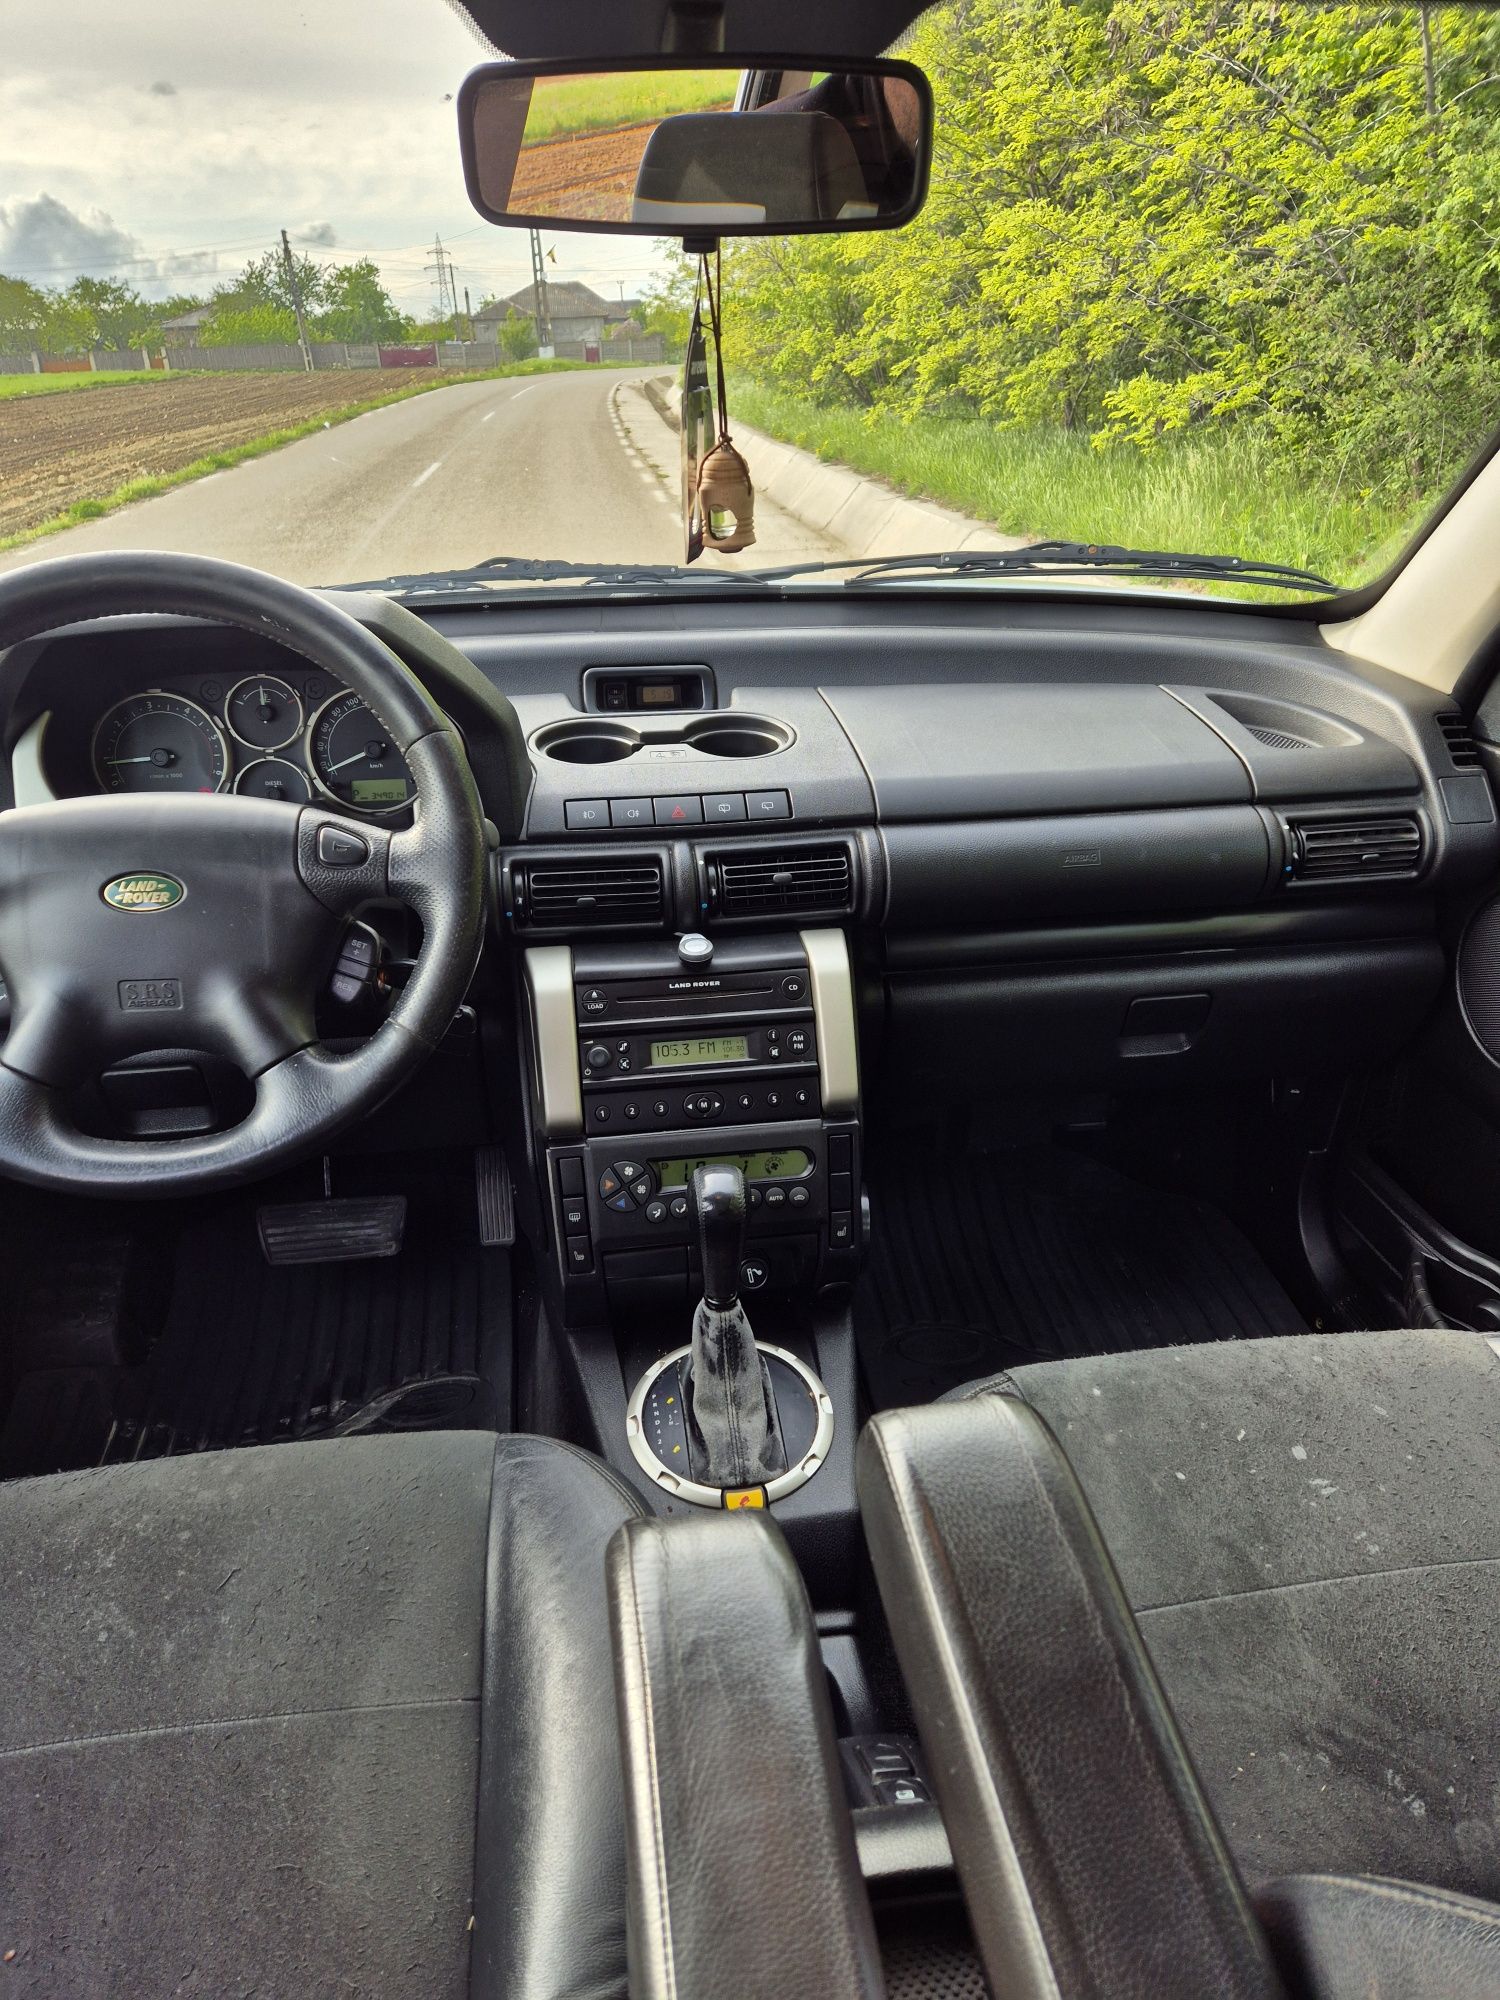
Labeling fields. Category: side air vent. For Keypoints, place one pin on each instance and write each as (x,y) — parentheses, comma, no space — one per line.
(577,895)
(756,882)
(1462,748)
(1350,849)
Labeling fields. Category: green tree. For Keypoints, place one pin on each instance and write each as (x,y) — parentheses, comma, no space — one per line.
(355,306)
(23,311)
(250,326)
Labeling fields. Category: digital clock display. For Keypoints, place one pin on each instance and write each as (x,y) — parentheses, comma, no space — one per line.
(700,1049)
(657,694)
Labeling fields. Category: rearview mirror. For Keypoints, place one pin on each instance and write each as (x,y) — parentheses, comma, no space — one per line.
(682,147)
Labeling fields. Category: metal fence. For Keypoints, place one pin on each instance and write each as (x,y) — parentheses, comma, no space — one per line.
(478,354)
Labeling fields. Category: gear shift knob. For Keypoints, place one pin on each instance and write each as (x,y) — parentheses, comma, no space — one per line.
(719,1201)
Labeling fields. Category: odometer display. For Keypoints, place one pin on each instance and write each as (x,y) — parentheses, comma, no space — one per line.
(354,760)
(157,742)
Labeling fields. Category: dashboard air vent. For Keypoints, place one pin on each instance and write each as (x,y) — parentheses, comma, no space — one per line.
(1348,849)
(781,881)
(1462,749)
(573,895)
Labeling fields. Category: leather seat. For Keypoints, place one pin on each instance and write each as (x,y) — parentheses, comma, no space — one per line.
(1092,1860)
(1308,1533)
(316,1719)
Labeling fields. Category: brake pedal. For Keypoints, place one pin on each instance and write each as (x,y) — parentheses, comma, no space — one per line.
(337,1230)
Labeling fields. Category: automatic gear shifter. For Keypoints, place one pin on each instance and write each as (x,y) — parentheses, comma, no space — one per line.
(734,1437)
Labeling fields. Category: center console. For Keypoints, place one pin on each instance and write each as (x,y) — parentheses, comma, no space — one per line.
(656,1058)
(657,1062)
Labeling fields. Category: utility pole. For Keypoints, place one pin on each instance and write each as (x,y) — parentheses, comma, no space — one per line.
(539,293)
(468,312)
(447,284)
(296,289)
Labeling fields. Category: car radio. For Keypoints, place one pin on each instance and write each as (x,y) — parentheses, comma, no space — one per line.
(654,1059)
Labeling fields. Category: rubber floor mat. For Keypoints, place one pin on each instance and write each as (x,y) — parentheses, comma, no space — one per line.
(1009,1258)
(253,1353)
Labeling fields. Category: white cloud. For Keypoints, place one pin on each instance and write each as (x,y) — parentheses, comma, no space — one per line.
(45,238)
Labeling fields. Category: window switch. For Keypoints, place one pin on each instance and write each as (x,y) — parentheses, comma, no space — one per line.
(901,1792)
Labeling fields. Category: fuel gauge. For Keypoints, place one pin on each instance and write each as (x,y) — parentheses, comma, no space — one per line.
(264,712)
(274,778)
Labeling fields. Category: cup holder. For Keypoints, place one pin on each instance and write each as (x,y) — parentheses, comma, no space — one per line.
(587,742)
(739,739)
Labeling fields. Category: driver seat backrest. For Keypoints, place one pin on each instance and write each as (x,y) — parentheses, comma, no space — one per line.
(324,1717)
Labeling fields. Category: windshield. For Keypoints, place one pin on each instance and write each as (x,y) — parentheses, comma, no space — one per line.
(1193,280)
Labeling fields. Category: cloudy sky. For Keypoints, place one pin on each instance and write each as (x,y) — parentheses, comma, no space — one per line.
(167,142)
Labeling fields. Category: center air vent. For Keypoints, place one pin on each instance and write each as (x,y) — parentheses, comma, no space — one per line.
(574,895)
(754,882)
(1462,749)
(1351,849)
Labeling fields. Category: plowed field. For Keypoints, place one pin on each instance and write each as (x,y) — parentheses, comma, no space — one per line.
(56,450)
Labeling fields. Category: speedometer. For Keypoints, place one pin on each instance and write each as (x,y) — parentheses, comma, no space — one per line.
(157,742)
(354,760)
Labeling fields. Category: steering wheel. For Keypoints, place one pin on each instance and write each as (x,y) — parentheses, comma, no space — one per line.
(131,924)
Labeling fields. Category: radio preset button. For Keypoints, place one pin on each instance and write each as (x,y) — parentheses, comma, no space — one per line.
(601,1114)
(660,1109)
(632,1112)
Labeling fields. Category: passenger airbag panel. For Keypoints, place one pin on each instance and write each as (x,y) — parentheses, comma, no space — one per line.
(979,872)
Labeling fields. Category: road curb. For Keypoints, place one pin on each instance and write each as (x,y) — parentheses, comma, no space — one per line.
(869,517)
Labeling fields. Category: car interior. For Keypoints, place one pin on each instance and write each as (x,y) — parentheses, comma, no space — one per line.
(800,1293)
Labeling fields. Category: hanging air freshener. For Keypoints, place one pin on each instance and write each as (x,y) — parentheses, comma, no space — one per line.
(726,496)
(697,421)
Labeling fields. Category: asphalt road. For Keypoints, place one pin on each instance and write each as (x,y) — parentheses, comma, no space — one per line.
(531,466)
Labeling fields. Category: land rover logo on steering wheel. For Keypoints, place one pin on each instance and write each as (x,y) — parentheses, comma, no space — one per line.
(143,892)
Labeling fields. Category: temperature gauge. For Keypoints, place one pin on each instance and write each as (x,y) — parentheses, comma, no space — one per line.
(263,712)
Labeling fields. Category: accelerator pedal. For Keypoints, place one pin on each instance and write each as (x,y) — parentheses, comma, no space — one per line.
(340,1229)
(495,1197)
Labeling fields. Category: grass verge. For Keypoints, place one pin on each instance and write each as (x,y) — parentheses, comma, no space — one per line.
(12,386)
(1223,495)
(219,461)
(563,105)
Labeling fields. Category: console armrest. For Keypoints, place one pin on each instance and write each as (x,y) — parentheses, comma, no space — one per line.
(1088,1854)
(744,1883)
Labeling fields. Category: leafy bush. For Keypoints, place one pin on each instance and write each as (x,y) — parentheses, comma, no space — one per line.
(1156,219)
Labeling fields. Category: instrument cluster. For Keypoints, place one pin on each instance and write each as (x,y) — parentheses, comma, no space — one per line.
(291,736)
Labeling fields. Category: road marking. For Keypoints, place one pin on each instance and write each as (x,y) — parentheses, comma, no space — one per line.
(486,417)
(523,392)
(423,477)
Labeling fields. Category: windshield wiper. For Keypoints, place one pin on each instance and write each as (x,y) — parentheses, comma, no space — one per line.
(501,570)
(1067,559)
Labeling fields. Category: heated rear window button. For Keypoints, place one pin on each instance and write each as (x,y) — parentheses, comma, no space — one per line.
(723,805)
(768,805)
(586,815)
(683,809)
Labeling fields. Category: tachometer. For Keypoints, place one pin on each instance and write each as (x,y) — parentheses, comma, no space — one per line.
(354,760)
(157,742)
(264,712)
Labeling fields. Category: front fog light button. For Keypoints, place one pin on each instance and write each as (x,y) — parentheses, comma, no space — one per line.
(338,848)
